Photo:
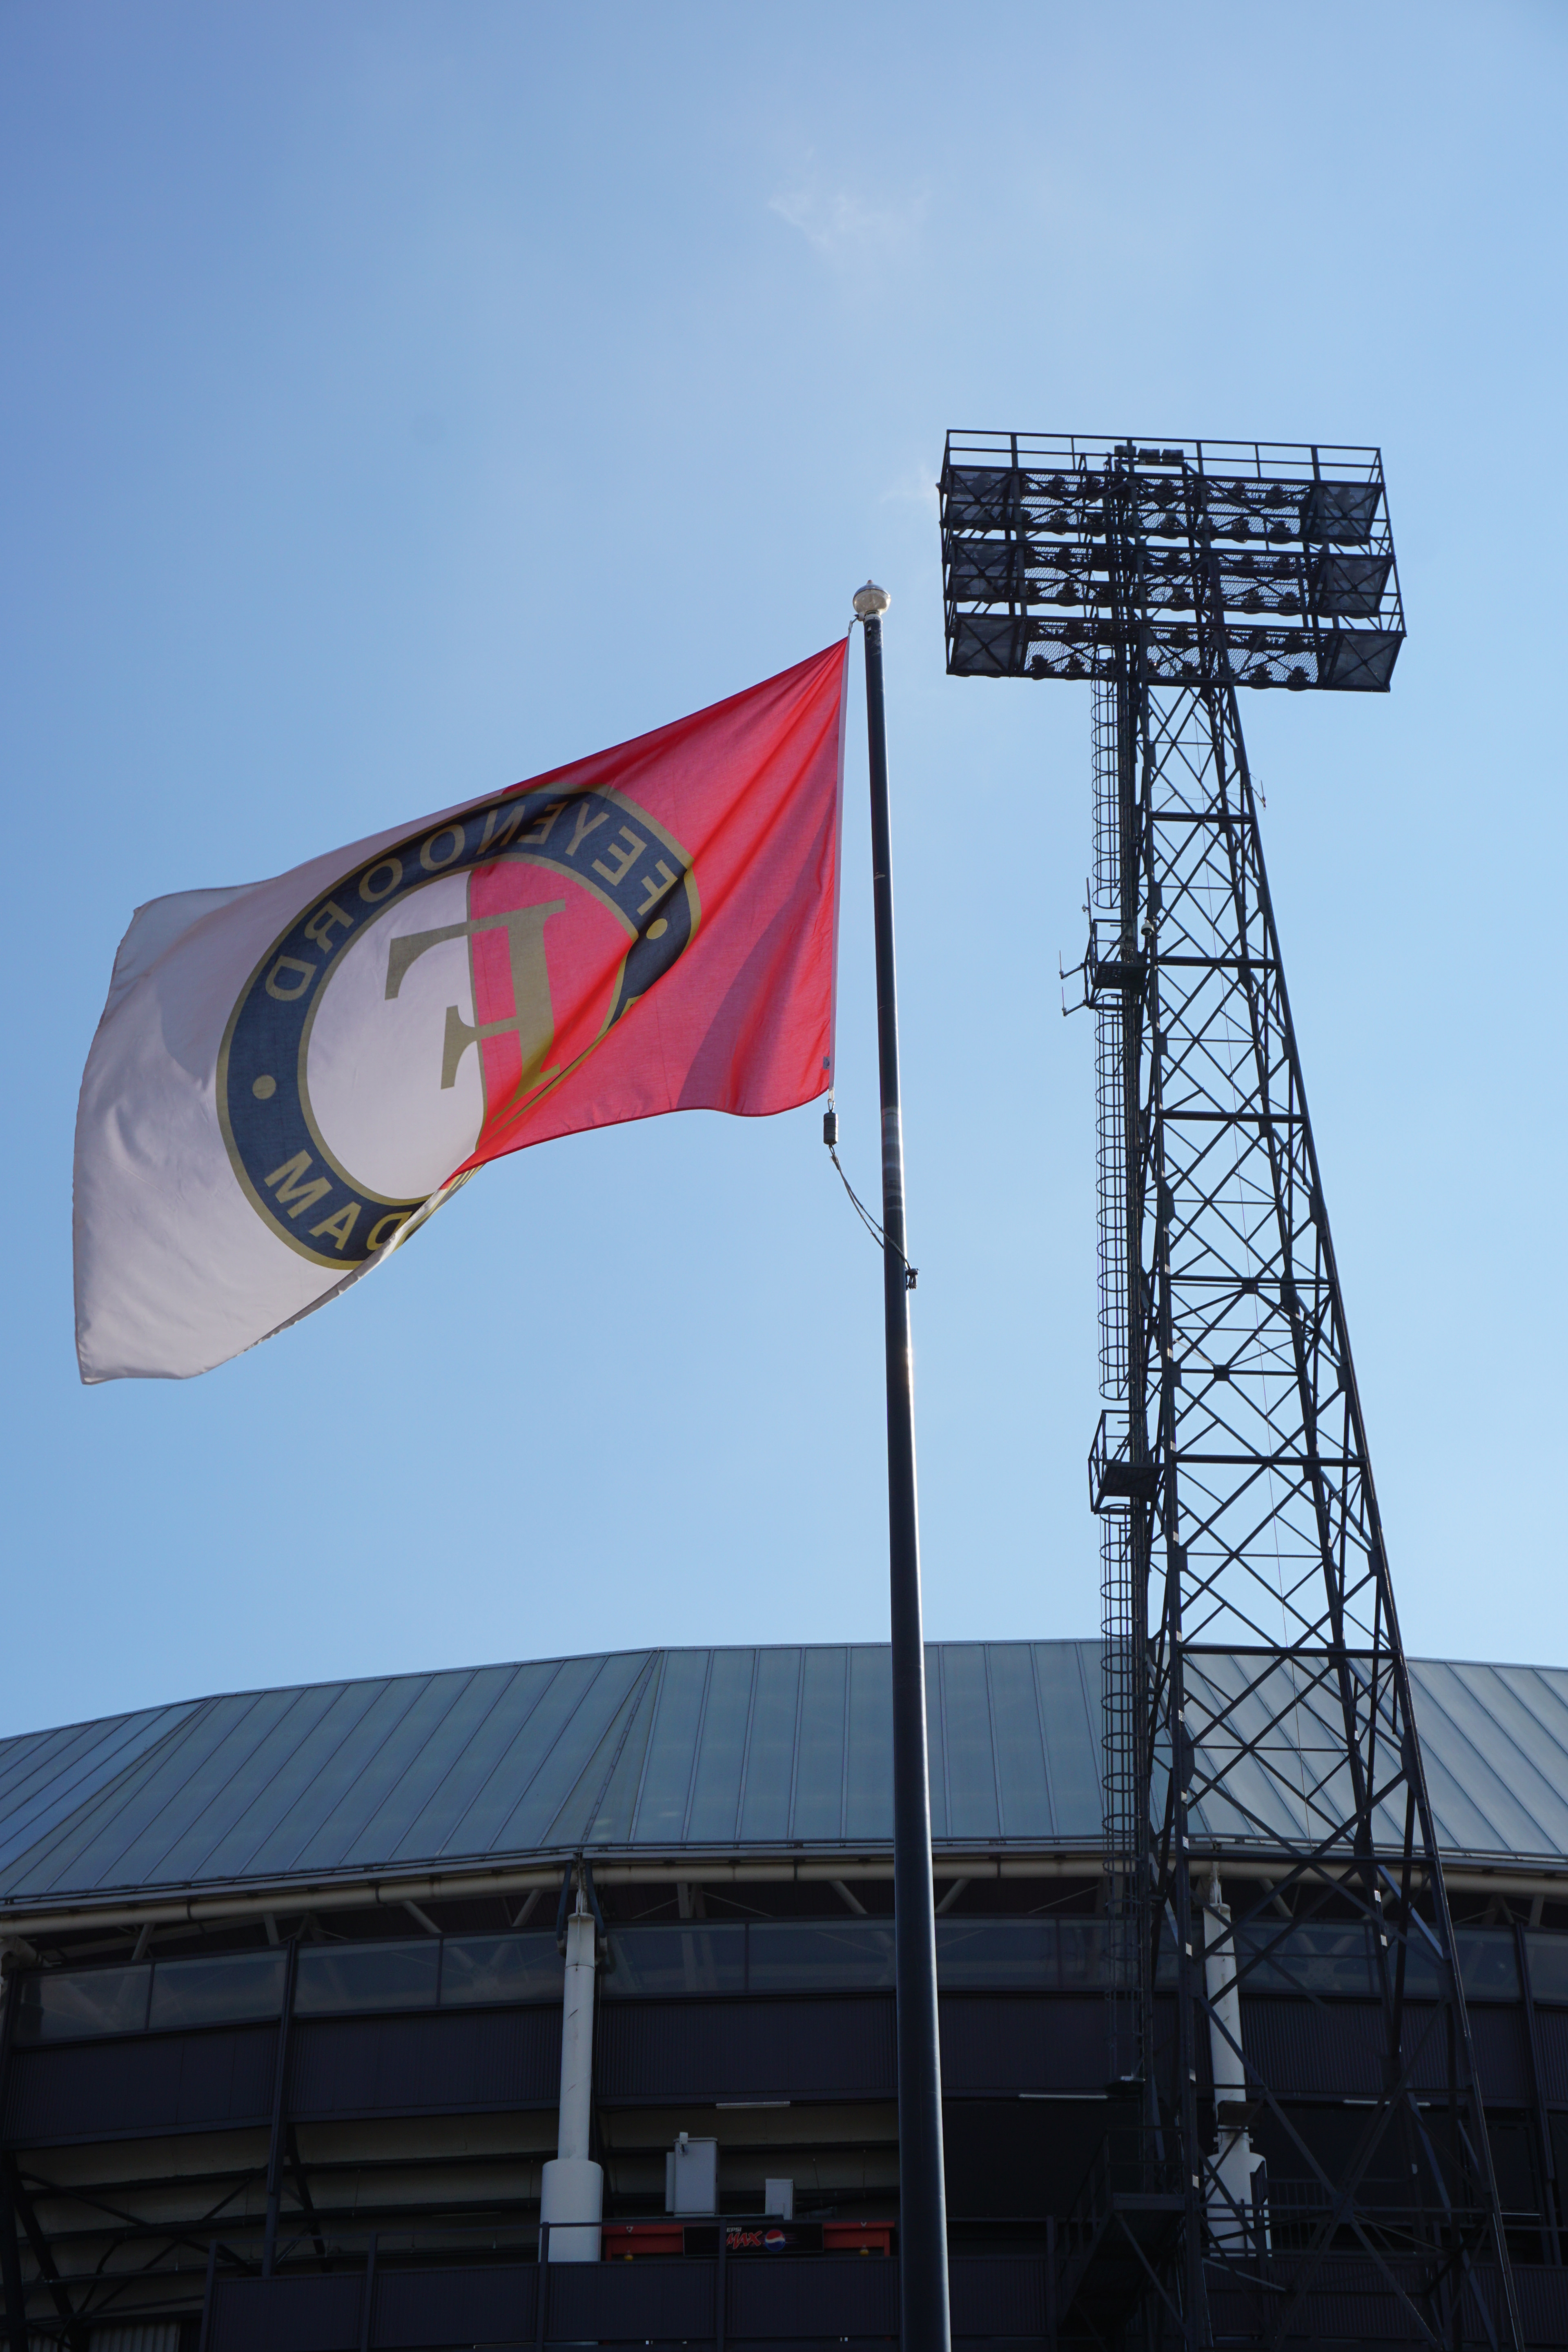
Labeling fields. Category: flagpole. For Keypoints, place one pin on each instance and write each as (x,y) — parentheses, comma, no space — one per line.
(923,2197)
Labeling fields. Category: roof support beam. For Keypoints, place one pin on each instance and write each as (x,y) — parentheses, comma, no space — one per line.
(352,1894)
(358,1895)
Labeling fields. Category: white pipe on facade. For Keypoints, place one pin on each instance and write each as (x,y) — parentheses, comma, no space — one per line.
(572,2197)
(1234,2160)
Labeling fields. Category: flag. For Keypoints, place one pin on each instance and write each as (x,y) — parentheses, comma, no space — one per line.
(290,1076)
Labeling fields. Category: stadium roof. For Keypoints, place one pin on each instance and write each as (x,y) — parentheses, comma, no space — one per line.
(677,1754)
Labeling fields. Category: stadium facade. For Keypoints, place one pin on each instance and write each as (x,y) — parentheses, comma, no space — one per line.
(282,2046)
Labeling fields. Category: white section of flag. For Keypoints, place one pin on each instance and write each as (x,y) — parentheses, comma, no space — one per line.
(175,1272)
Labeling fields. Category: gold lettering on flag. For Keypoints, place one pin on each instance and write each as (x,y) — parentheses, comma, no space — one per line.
(339,1226)
(320,925)
(287,1182)
(656,890)
(615,874)
(584,825)
(274,979)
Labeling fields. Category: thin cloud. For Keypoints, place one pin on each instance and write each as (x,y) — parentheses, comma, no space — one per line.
(843,226)
(915,486)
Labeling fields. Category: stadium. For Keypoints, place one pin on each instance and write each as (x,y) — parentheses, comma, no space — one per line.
(284,1978)
(1205,1986)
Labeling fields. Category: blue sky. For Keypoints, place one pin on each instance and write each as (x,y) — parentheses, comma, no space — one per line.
(403,399)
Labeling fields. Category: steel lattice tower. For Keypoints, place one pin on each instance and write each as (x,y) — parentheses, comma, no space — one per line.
(1248,1615)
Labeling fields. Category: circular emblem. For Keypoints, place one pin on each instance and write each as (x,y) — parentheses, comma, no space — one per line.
(427,1006)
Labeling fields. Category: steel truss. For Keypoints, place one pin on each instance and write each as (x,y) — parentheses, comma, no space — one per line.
(1250,1617)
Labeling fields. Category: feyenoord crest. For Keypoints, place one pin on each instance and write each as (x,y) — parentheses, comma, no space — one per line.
(433,999)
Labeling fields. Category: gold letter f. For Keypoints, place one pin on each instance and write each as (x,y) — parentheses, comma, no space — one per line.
(532,1016)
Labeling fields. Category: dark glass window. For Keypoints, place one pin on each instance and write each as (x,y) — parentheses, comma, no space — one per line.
(74,2005)
(855,1955)
(1080,1944)
(1004,1954)
(337,1977)
(1488,1965)
(211,1992)
(1548,1966)
(695,1959)
(500,1967)
(1317,1956)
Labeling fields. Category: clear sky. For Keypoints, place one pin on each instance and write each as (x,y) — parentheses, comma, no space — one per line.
(402,399)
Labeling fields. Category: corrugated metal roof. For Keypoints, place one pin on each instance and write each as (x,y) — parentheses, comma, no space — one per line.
(679,1751)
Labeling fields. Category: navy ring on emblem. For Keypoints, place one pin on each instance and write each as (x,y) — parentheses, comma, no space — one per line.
(640,872)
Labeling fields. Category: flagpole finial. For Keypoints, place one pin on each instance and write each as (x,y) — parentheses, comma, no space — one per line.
(870,599)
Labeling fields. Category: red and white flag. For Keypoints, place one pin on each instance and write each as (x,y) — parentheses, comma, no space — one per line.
(289,1076)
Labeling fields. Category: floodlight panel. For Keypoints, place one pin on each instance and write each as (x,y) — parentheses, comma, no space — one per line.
(1251,563)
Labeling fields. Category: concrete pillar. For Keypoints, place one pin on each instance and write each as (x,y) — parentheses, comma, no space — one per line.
(572,2194)
(1234,2160)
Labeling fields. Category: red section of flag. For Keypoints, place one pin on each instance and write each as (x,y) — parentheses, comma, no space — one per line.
(743,1021)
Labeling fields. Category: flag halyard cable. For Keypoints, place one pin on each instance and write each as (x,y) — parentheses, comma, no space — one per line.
(830,1138)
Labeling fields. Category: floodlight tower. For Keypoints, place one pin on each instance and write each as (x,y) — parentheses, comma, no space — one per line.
(1248,1615)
